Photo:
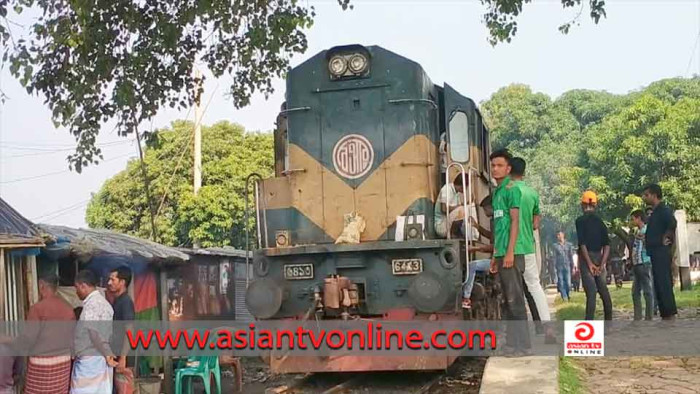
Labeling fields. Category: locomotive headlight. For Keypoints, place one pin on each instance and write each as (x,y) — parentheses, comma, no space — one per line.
(337,66)
(357,63)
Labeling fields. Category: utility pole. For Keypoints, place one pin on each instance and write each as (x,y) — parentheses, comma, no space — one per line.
(197,141)
(147,183)
(198,135)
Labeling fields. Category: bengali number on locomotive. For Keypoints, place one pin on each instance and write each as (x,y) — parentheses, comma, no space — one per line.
(298,271)
(353,156)
(406,266)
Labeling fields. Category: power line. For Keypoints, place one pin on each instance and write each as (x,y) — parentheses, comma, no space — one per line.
(53,147)
(51,152)
(59,212)
(29,178)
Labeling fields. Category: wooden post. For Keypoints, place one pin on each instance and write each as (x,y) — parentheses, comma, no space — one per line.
(167,362)
(32,280)
(682,250)
(3,281)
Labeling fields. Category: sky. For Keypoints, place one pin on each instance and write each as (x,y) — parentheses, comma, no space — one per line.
(639,42)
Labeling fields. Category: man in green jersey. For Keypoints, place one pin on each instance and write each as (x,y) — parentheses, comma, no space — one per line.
(525,245)
(510,267)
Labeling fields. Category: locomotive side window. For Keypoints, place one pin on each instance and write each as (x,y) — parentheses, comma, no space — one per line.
(459,137)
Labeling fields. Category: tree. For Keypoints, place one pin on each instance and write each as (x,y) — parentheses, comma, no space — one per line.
(612,144)
(95,61)
(501,17)
(215,217)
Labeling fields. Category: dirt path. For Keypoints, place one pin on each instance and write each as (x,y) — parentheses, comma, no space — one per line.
(640,375)
(644,375)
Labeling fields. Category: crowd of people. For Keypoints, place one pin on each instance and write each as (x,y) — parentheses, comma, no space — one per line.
(652,230)
(84,357)
(514,210)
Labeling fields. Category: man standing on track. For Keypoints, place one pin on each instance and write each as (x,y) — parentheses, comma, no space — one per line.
(506,215)
(594,251)
(661,227)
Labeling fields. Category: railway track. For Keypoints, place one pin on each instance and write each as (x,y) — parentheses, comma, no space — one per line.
(464,376)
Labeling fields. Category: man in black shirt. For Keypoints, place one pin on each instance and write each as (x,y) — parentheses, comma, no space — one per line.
(123,306)
(661,227)
(594,250)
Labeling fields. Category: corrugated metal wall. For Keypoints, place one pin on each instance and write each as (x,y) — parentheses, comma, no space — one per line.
(242,313)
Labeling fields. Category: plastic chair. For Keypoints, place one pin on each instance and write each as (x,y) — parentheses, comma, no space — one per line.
(200,366)
(203,367)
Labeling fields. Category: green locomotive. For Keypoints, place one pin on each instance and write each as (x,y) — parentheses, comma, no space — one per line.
(358,141)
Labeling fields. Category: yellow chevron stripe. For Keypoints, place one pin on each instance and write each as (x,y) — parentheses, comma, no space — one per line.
(323,197)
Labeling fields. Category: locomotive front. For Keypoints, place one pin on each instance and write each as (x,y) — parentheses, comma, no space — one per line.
(358,140)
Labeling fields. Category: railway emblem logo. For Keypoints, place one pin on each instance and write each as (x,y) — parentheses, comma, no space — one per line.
(353,156)
(584,338)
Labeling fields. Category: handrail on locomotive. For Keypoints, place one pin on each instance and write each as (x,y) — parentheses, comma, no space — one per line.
(466,201)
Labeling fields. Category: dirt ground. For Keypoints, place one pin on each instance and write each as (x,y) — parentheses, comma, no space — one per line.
(643,375)
(647,375)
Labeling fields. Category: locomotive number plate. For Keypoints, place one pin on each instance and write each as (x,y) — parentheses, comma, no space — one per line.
(298,271)
(406,266)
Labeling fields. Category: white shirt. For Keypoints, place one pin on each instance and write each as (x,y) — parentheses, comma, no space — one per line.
(95,308)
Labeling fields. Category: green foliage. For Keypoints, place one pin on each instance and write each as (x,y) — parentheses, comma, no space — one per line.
(609,143)
(124,60)
(215,217)
(95,61)
(501,16)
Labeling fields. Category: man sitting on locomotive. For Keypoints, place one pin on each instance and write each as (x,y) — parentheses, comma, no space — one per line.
(452,194)
(482,265)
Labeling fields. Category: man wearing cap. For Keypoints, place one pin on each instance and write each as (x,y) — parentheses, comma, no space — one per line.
(594,251)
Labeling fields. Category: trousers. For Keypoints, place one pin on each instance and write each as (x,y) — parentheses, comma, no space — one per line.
(564,278)
(595,284)
(642,285)
(663,282)
(514,312)
(474,267)
(532,281)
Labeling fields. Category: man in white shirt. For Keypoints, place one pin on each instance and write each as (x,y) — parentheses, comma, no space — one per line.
(94,362)
(453,194)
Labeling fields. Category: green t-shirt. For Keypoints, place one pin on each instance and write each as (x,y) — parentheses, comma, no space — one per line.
(529,207)
(504,199)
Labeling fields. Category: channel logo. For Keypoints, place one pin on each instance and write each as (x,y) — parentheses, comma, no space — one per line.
(584,338)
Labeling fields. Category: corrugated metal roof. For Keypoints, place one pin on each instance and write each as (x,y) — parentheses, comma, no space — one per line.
(15,229)
(88,243)
(225,251)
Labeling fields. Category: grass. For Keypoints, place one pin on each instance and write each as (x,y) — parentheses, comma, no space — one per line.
(569,379)
(621,299)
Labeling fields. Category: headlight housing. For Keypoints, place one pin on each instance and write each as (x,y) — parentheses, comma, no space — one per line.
(348,62)
(337,65)
(357,63)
